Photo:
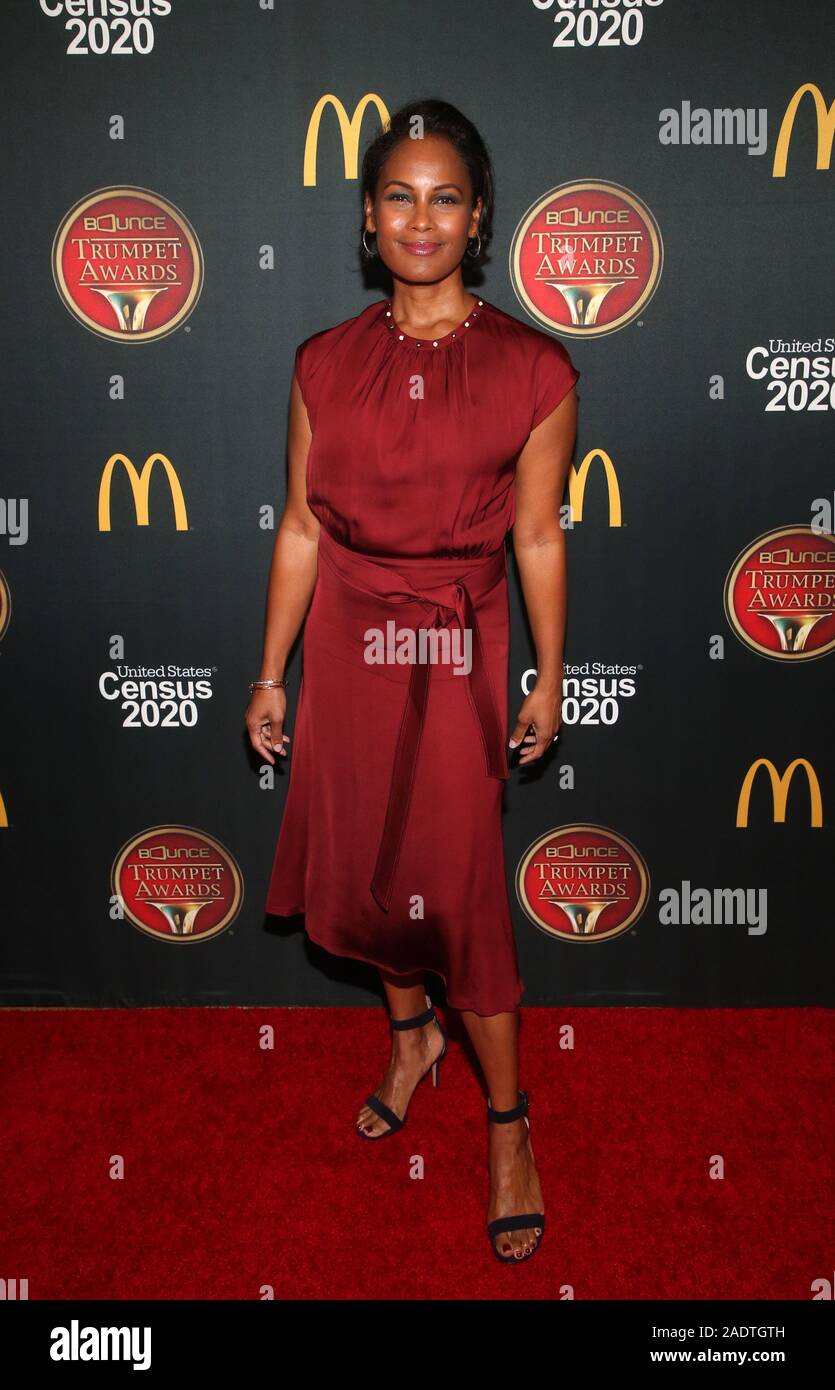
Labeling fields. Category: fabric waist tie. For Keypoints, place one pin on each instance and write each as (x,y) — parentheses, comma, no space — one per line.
(456,597)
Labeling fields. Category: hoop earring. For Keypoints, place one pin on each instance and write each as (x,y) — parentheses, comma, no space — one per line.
(365,247)
(477,252)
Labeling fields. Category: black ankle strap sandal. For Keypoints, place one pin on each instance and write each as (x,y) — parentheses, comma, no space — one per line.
(526,1219)
(378,1106)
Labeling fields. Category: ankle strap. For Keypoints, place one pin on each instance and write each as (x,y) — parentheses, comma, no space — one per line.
(425,1017)
(504,1117)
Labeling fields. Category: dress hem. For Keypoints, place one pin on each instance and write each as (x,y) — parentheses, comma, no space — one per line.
(389,970)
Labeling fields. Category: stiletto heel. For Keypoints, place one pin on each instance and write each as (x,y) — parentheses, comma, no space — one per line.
(525,1219)
(378,1106)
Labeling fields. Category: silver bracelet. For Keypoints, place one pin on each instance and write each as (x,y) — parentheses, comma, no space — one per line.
(267,685)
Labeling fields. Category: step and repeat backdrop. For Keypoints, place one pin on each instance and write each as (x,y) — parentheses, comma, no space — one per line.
(182,210)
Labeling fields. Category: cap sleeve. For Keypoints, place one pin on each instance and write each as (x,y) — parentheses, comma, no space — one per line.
(302,374)
(554,376)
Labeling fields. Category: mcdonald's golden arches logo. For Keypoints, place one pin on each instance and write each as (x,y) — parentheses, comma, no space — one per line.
(577,486)
(825,120)
(349,129)
(140,484)
(780,791)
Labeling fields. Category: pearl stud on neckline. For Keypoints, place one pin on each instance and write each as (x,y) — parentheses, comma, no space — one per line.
(437,342)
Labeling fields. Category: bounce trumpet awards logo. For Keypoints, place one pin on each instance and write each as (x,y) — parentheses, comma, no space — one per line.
(780,594)
(582,883)
(177,884)
(586,258)
(5,604)
(127,264)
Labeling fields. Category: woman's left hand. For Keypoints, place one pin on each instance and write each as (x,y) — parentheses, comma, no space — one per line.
(544,712)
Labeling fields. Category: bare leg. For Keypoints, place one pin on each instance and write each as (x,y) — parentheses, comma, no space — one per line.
(413,1050)
(514,1183)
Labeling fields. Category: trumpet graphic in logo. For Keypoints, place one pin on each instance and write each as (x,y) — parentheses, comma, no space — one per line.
(582,883)
(780,791)
(140,485)
(586,258)
(348,129)
(177,884)
(825,118)
(780,594)
(127,264)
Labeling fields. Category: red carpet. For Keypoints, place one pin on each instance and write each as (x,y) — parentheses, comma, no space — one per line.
(242,1169)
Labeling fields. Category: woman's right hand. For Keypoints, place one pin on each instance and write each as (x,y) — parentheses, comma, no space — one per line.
(264,718)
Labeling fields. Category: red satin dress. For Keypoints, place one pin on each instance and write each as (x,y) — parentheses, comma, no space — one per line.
(391,841)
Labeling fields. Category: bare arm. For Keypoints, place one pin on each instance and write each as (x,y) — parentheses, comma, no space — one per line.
(539,547)
(290,587)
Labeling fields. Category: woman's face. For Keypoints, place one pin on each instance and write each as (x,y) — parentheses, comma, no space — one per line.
(423,212)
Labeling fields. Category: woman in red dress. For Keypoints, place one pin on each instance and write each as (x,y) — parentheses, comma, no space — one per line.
(421,430)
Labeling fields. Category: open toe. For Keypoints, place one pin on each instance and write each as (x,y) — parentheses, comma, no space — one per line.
(394,1122)
(501,1228)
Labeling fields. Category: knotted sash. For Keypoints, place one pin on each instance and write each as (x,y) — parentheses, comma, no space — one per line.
(455,597)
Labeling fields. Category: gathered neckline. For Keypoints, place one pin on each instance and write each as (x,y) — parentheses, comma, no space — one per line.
(406,340)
